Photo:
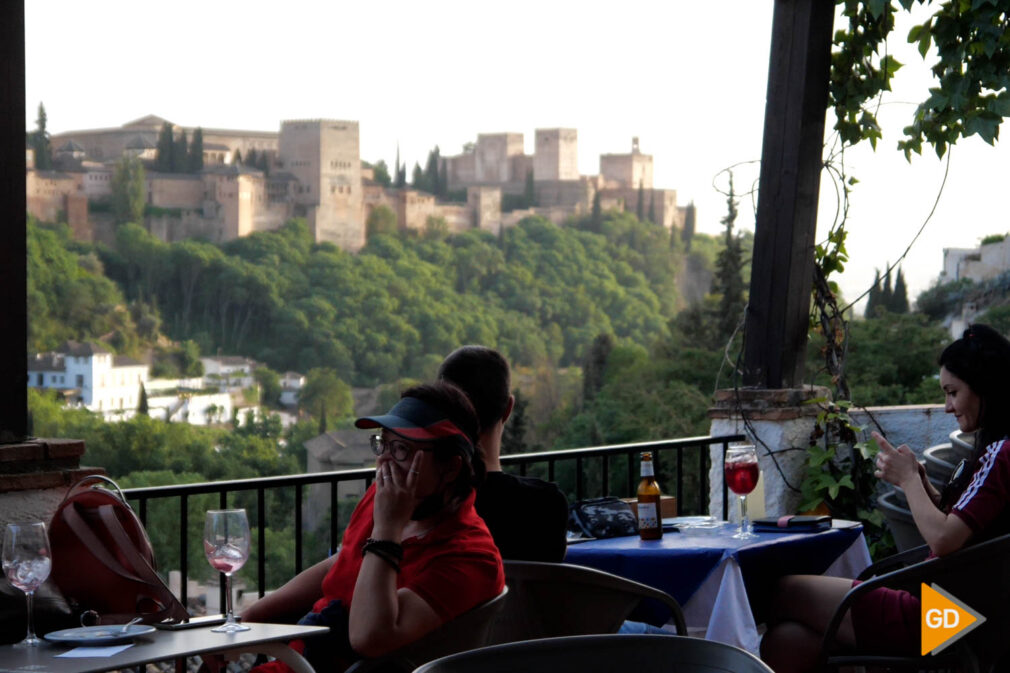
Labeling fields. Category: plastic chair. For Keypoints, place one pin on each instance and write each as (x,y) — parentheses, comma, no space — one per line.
(978,575)
(559,599)
(465,632)
(603,654)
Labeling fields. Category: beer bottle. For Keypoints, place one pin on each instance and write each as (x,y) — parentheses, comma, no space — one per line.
(650,525)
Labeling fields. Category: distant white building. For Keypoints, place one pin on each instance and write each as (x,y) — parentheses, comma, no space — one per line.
(291,386)
(976,264)
(228,372)
(89,375)
(196,407)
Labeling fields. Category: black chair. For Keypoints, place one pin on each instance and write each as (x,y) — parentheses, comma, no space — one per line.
(602,654)
(978,575)
(465,632)
(559,599)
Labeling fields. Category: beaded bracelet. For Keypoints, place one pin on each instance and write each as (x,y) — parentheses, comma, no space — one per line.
(389,551)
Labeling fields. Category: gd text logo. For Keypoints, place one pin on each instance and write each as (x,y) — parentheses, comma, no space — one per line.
(944,619)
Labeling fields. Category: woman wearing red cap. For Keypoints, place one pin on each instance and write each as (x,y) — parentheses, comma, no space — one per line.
(414,552)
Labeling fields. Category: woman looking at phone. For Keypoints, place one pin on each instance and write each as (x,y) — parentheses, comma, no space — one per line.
(975,506)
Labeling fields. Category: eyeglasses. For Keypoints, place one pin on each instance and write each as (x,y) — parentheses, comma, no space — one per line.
(397,448)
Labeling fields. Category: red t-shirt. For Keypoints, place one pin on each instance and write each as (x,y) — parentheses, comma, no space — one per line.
(454,567)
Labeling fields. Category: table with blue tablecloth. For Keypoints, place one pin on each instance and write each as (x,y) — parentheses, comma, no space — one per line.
(724,584)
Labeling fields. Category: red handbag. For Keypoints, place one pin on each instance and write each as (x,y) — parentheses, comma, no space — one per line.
(103,560)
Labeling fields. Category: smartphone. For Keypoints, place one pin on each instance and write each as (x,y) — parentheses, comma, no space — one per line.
(193,623)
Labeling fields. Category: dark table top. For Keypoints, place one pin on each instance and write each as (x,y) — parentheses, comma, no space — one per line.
(158,646)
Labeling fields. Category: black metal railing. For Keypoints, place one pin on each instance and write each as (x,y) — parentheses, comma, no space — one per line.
(605,455)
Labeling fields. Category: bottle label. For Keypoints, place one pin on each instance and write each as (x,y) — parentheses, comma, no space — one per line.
(648,515)
(647,470)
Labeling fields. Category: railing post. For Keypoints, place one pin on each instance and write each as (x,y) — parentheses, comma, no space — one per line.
(184,548)
(298,528)
(261,547)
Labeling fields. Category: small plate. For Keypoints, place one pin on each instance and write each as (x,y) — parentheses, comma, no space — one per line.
(99,635)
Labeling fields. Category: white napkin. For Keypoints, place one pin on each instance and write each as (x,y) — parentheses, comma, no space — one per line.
(83,652)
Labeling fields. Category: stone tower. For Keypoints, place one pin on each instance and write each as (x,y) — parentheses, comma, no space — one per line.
(324,155)
(556,155)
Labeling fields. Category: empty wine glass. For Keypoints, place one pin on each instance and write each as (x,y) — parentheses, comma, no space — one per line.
(27,561)
(741,471)
(226,544)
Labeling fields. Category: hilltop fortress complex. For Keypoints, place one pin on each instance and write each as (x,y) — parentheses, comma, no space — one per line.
(313,169)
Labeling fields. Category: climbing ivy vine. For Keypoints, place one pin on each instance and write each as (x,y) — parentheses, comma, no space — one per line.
(972,71)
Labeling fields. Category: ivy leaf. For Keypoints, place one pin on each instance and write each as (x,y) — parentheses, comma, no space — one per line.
(876,7)
(986,128)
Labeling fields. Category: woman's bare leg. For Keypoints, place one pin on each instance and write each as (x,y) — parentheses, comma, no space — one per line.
(802,608)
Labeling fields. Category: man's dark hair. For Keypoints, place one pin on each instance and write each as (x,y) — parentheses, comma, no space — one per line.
(483,374)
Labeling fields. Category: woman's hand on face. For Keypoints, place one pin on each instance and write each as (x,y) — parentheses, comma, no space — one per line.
(395,497)
(896,465)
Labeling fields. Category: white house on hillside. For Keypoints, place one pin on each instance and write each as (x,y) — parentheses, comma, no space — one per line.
(228,372)
(89,375)
(291,386)
(978,264)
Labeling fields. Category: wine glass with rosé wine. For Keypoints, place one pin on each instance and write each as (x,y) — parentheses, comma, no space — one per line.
(27,561)
(226,544)
(741,470)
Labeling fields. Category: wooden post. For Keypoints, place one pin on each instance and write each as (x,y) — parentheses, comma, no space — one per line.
(783,263)
(13,282)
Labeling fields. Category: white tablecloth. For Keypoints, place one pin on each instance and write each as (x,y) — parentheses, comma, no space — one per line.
(721,610)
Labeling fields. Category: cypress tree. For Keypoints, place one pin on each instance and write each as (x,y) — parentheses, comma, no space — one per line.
(597,217)
(237,157)
(180,154)
(640,211)
(530,194)
(728,282)
(652,207)
(873,298)
(886,293)
(194,162)
(899,298)
(417,177)
(595,366)
(142,406)
(166,148)
(40,142)
(689,222)
(251,157)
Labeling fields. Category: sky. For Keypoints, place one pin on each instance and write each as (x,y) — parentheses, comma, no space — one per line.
(687,78)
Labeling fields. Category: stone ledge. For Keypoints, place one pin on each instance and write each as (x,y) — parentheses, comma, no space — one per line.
(760,404)
(42,464)
(32,481)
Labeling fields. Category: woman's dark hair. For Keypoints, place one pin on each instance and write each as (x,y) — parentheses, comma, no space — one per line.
(457,408)
(981,358)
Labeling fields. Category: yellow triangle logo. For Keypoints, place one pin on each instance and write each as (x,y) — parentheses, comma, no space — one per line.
(944,619)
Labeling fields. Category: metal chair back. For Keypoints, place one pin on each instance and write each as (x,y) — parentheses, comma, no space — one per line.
(559,599)
(603,653)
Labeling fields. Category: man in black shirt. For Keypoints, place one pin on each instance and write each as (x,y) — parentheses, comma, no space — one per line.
(527,517)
